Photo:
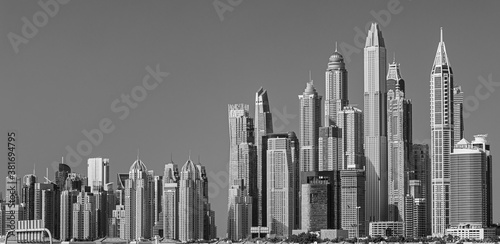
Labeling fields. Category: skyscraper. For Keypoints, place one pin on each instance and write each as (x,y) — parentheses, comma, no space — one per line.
(190,203)
(353,202)
(280,185)
(242,167)
(336,88)
(171,201)
(97,173)
(375,125)
(68,198)
(310,121)
(263,126)
(441,84)
(422,167)
(28,196)
(320,200)
(470,183)
(399,139)
(458,114)
(84,215)
(61,175)
(329,148)
(138,223)
(350,123)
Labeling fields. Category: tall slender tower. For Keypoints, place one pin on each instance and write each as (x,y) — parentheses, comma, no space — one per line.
(310,121)
(336,88)
(137,204)
(191,214)
(375,125)
(441,84)
(97,173)
(281,185)
(399,137)
(263,126)
(170,201)
(242,170)
(458,115)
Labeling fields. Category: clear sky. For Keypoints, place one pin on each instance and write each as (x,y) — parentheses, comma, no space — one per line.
(66,76)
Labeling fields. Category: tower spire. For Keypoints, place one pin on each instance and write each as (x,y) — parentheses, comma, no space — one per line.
(137,154)
(394,57)
(335,46)
(441,33)
(34,169)
(189,159)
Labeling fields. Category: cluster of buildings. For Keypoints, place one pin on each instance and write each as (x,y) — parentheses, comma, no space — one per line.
(173,206)
(356,172)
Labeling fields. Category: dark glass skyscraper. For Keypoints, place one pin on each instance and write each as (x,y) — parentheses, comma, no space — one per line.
(263,126)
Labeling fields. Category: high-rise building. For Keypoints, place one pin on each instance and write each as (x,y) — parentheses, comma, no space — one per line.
(242,167)
(422,167)
(84,216)
(458,114)
(375,125)
(280,185)
(399,141)
(240,213)
(137,205)
(310,121)
(263,126)
(68,198)
(47,206)
(336,92)
(329,148)
(97,173)
(351,150)
(157,197)
(353,202)
(415,211)
(470,183)
(171,201)
(441,89)
(61,175)
(191,216)
(320,200)
(28,196)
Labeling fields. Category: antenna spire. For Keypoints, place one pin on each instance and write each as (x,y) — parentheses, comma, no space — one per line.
(189,155)
(394,58)
(441,32)
(137,154)
(34,169)
(335,46)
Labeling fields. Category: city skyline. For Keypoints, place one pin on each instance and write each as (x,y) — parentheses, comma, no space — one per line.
(63,123)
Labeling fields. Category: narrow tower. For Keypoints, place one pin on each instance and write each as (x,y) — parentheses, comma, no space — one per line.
(336,88)
(375,125)
(441,84)
(310,121)
(263,126)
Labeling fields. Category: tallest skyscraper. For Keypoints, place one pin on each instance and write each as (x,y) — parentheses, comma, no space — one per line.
(375,127)
(441,82)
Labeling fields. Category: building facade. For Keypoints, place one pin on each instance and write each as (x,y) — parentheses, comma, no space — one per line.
(441,83)
(375,125)
(242,168)
(263,126)
(280,185)
(399,140)
(310,121)
(336,92)
(351,149)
